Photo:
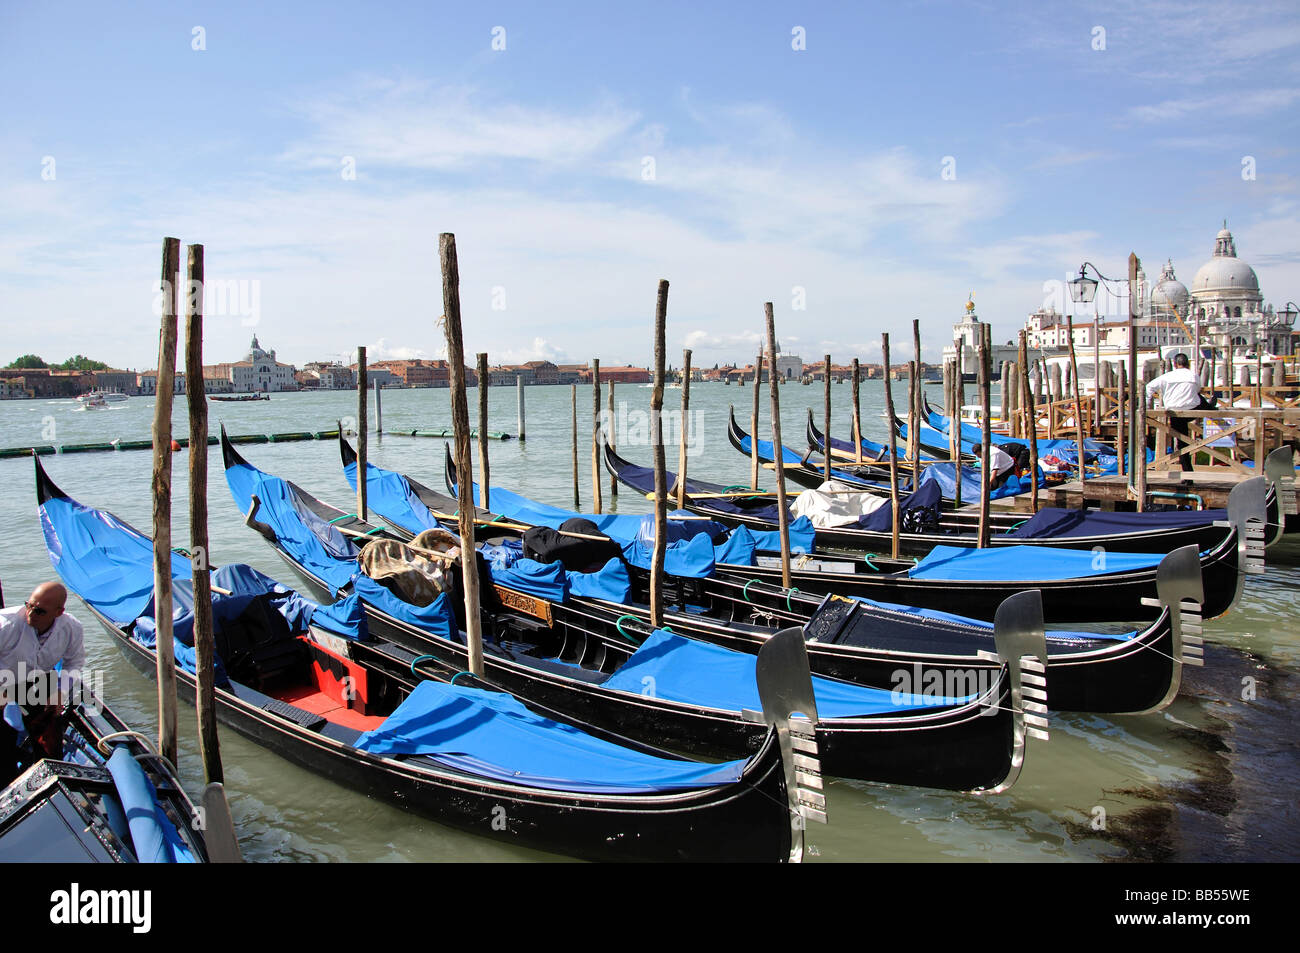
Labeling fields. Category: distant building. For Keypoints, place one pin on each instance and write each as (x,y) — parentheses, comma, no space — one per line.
(329,375)
(146,383)
(259,371)
(968,331)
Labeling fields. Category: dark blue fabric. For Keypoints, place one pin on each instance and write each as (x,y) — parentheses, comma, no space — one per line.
(881,520)
(1026,563)
(543,580)
(154,838)
(611,583)
(988,626)
(944,475)
(436,618)
(1053,523)
(102,559)
(312,542)
(738,550)
(792,459)
(390,495)
(691,558)
(493,735)
(673,668)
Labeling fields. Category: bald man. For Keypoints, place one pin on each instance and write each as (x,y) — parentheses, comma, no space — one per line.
(42,634)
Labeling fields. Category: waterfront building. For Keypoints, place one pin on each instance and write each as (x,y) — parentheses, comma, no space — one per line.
(259,371)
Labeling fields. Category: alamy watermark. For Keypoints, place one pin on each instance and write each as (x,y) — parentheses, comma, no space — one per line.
(935,687)
(241,298)
(636,427)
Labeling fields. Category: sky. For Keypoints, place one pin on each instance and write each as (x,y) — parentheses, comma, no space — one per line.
(858,165)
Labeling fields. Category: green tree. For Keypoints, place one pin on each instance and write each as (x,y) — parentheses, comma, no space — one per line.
(28,361)
(80,363)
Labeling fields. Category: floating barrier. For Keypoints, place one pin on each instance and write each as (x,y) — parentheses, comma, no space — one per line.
(213,440)
(445,434)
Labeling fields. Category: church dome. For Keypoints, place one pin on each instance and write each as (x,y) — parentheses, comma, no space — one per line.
(1169,292)
(1225,272)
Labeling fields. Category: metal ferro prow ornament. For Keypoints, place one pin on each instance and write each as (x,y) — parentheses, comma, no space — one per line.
(1022,647)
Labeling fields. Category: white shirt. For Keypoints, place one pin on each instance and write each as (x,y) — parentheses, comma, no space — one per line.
(1180,389)
(999,460)
(64,641)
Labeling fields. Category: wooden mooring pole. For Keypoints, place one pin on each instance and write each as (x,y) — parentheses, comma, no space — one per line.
(596,500)
(684,428)
(857,413)
(893,445)
(464,455)
(363,425)
(826,432)
(609,439)
(484,480)
(162,502)
(783,513)
(205,700)
(661,479)
(753,423)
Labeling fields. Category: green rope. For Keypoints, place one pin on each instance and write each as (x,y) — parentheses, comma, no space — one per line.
(458,675)
(631,637)
(418,659)
(377,529)
(867,559)
(790,592)
(745,592)
(345,516)
(182,552)
(1017,525)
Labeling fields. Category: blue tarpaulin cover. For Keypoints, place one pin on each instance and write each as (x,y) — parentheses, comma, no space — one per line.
(495,736)
(102,559)
(791,459)
(153,837)
(881,519)
(319,547)
(944,475)
(1056,522)
(390,495)
(981,624)
(674,668)
(1026,563)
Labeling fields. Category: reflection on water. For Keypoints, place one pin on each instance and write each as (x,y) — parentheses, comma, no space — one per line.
(1211,778)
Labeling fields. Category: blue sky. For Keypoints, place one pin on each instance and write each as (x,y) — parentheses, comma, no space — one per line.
(604,148)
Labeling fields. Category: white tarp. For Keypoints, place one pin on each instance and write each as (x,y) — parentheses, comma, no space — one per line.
(836,504)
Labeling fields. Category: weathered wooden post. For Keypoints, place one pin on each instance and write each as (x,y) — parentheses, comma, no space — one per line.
(1031,422)
(778,455)
(573,404)
(948,394)
(362,426)
(205,701)
(609,439)
(162,502)
(753,423)
(464,455)
(826,433)
(1140,448)
(379,408)
(484,479)
(857,413)
(986,406)
(1121,422)
(915,410)
(913,429)
(893,447)
(954,438)
(661,479)
(1134,380)
(684,429)
(596,500)
(1078,405)
(519,394)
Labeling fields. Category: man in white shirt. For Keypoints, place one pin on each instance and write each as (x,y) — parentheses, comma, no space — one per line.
(1001,466)
(1180,389)
(34,638)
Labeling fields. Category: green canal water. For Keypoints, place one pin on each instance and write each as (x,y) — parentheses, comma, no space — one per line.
(1212,778)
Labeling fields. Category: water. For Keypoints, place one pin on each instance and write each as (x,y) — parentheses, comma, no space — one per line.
(1211,778)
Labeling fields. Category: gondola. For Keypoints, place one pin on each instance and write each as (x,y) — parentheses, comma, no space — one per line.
(655,689)
(942,475)
(874,454)
(311,684)
(1279,469)
(109,798)
(1109,587)
(864,642)
(1150,532)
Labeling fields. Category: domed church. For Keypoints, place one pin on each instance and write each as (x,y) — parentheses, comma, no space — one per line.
(1224,300)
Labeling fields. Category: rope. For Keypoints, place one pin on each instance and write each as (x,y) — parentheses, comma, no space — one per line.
(618,624)
(745,592)
(790,592)
(418,659)
(458,675)
(345,516)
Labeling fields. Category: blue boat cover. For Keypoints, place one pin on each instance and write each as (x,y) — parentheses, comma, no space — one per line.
(389,494)
(611,583)
(1054,522)
(436,618)
(153,837)
(881,519)
(319,547)
(493,735)
(791,459)
(105,561)
(1027,563)
(988,626)
(673,668)
(944,475)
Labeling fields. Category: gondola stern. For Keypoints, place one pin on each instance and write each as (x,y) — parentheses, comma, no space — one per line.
(1247,511)
(1021,644)
(790,709)
(46,489)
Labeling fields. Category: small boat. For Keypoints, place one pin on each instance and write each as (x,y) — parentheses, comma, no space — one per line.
(239,398)
(308,682)
(858,640)
(101,398)
(866,733)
